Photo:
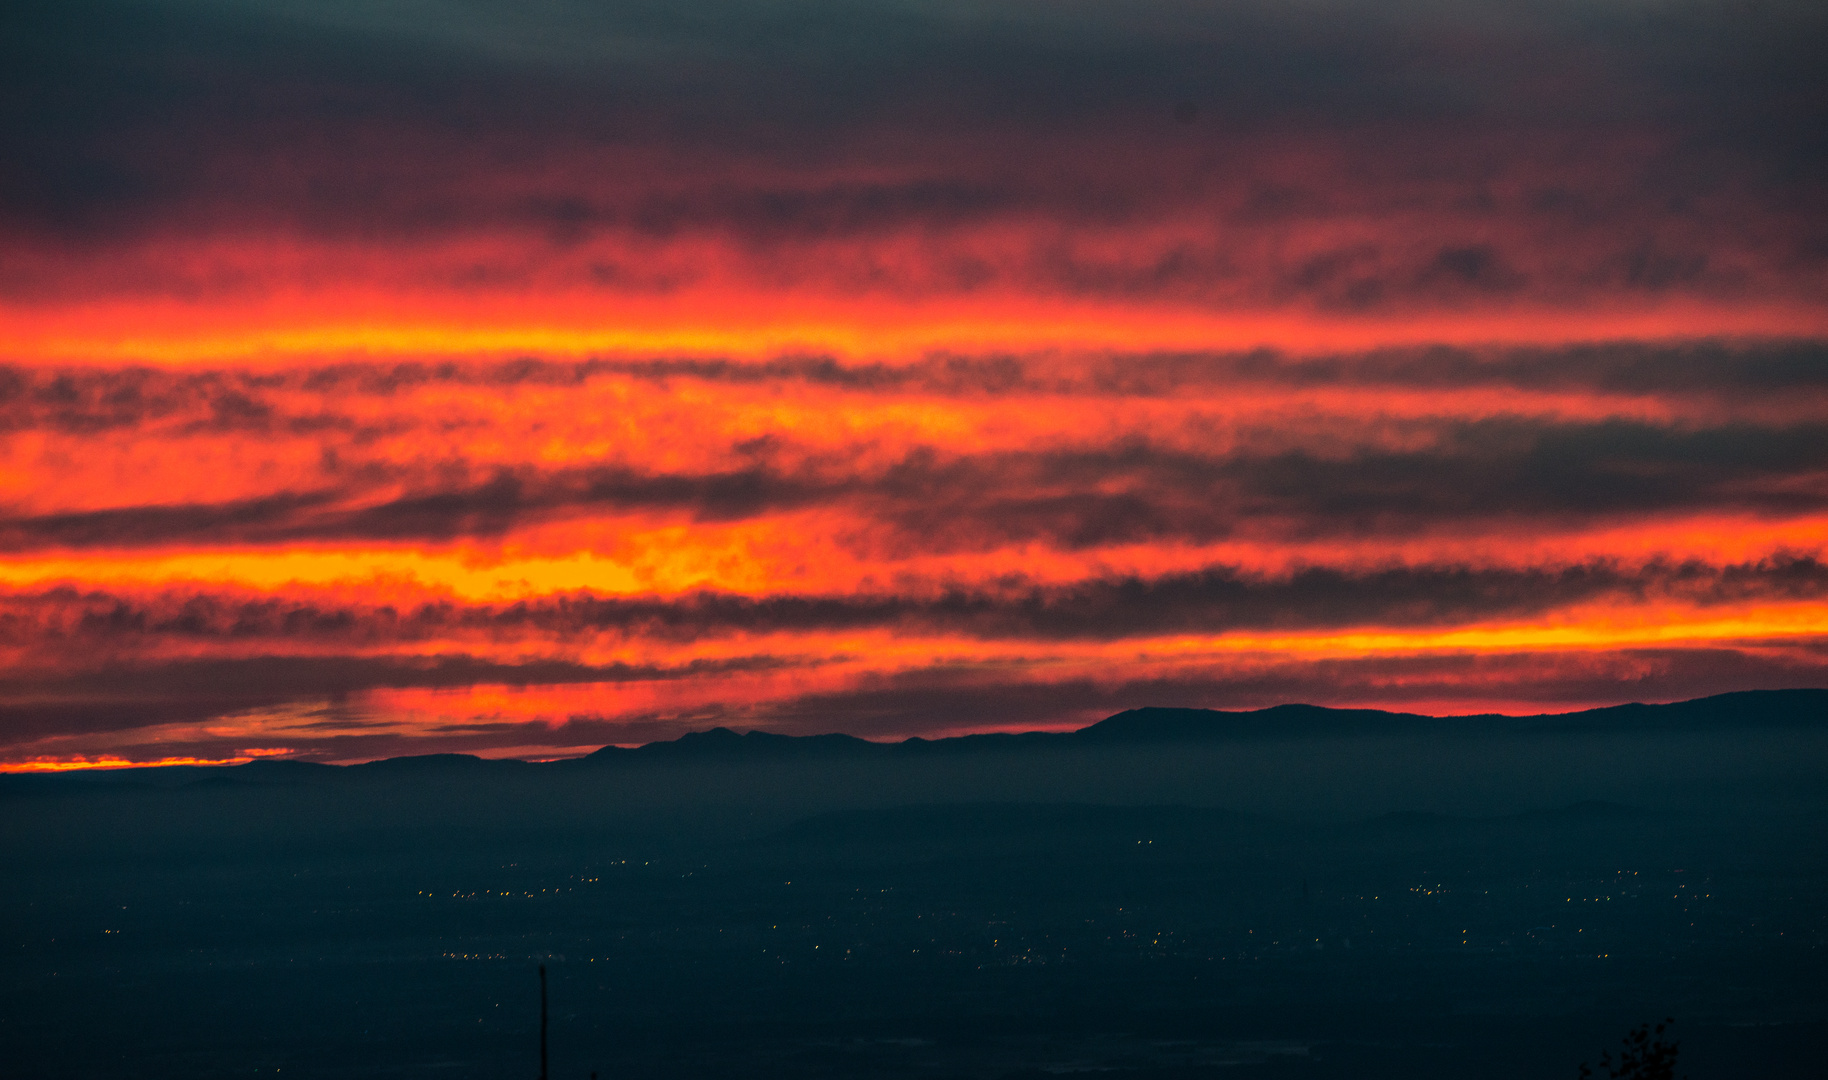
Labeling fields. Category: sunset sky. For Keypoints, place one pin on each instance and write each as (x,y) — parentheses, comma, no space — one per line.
(517,378)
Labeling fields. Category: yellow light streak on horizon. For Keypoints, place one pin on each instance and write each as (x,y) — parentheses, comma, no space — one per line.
(908,333)
(1577,630)
(463,574)
(48,765)
(801,554)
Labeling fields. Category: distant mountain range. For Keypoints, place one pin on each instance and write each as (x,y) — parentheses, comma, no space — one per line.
(1146,726)
(1753,708)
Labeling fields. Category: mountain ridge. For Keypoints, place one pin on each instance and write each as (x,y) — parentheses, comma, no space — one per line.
(1149,725)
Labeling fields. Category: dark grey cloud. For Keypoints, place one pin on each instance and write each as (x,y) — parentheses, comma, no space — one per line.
(316,401)
(1467,471)
(485,508)
(339,120)
(141,694)
(96,713)
(1481,470)
(1210,601)
(1728,370)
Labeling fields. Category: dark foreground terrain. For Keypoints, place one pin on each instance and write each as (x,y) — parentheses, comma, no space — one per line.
(1300,894)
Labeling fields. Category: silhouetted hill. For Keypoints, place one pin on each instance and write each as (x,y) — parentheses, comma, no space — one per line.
(1280,721)
(1138,728)
(723,744)
(1752,708)
(421,764)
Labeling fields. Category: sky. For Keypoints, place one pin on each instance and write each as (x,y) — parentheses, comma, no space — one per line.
(518,378)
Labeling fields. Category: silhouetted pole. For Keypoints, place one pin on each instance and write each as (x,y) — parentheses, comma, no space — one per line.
(542,1022)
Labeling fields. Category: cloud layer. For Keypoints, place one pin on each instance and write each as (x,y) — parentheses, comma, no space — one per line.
(475,376)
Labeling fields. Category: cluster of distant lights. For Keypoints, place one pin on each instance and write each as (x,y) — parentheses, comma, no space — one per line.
(1027,955)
